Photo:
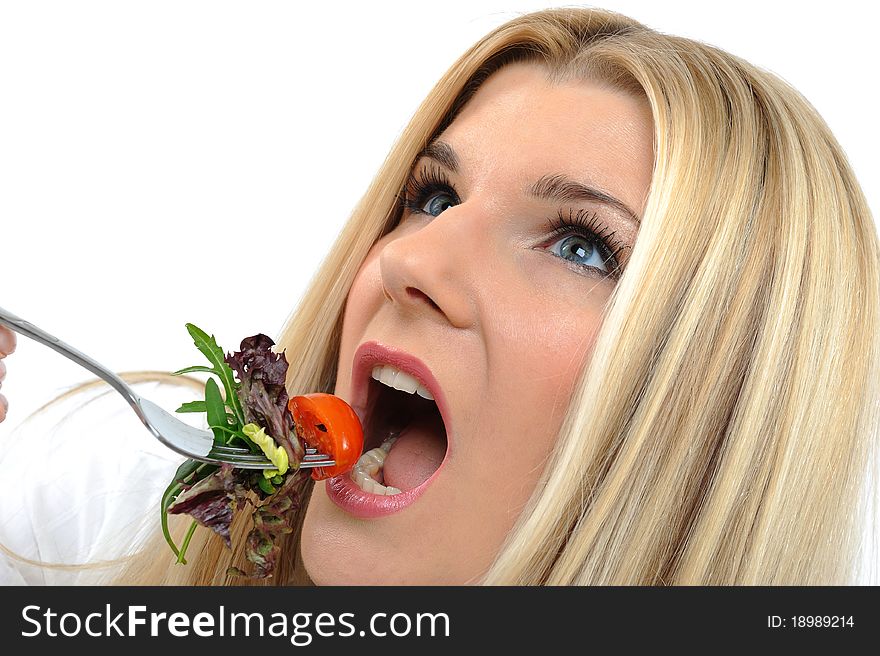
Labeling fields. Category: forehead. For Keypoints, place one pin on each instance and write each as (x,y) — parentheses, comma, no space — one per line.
(519,125)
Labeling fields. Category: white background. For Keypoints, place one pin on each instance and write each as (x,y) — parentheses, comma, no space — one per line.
(165,162)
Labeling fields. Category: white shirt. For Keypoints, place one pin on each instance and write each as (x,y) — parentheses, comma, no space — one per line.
(85,489)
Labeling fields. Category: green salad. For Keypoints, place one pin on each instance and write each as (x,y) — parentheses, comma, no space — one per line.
(251,412)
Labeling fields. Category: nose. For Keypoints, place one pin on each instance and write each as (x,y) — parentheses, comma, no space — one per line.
(429,269)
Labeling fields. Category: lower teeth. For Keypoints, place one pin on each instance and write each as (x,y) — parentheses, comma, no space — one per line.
(367,471)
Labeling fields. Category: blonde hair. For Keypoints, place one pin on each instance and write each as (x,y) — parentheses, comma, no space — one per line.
(725,428)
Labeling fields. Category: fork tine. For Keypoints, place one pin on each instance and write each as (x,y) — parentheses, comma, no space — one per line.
(249,462)
(235,452)
(244,459)
(231,450)
(253,464)
(317,463)
(253,460)
(227,447)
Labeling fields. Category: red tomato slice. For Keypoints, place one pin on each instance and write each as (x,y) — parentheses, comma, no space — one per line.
(329,424)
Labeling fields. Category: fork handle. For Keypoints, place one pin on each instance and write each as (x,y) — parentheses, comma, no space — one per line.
(28,329)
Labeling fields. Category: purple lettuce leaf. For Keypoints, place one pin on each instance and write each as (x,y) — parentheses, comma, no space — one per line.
(212,501)
(262,392)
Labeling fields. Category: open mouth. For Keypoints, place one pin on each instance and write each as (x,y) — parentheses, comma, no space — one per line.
(405,441)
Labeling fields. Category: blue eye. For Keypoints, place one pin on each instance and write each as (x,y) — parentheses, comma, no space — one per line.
(582,251)
(587,243)
(433,205)
(430,193)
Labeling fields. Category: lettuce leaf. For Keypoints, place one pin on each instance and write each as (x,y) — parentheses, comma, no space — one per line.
(212,501)
(262,393)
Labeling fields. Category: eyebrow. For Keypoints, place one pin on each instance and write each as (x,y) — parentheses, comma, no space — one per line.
(556,187)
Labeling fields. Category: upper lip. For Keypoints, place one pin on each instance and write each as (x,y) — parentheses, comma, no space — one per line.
(372,353)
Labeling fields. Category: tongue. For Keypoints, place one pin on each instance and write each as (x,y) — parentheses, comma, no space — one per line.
(417,453)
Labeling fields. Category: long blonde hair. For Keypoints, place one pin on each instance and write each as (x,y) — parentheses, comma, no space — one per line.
(725,428)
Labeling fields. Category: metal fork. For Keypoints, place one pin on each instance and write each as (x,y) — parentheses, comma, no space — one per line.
(186,440)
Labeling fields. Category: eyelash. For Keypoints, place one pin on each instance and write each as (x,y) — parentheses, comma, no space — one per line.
(584,223)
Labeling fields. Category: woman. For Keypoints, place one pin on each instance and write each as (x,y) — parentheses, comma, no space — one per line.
(646,283)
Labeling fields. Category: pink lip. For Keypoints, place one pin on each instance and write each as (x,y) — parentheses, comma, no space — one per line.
(342,489)
(345,493)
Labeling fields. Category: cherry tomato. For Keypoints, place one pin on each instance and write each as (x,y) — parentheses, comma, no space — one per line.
(329,424)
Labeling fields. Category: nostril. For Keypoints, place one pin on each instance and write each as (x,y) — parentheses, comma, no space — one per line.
(412,291)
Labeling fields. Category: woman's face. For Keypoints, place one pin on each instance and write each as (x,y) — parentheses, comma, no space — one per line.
(503,311)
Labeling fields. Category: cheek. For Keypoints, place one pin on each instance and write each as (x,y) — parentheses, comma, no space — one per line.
(540,354)
(365,294)
(363,302)
(552,340)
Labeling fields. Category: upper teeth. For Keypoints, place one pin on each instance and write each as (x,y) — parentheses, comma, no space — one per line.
(400,380)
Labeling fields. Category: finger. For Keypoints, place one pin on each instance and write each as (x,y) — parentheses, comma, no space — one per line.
(7,341)
(3,407)
(2,371)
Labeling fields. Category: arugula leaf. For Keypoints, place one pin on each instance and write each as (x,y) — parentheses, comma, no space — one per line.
(188,469)
(216,410)
(233,434)
(193,406)
(185,545)
(207,344)
(189,370)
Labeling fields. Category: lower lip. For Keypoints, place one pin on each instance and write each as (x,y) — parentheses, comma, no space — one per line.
(346,494)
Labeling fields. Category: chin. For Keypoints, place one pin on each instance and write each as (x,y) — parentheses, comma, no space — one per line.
(338,549)
(341,550)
